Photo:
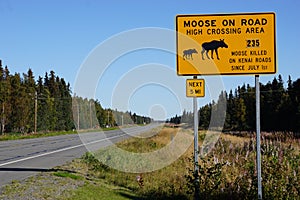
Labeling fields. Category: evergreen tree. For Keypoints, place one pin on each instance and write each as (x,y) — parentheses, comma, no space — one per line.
(29,100)
(295,98)
(230,116)
(280,108)
(45,103)
(249,100)
(5,104)
(205,116)
(3,99)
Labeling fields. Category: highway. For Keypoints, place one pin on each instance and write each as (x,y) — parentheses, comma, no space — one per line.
(20,159)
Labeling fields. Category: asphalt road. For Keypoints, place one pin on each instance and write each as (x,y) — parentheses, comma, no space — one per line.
(20,159)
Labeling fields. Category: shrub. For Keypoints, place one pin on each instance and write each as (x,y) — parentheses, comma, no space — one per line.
(229,171)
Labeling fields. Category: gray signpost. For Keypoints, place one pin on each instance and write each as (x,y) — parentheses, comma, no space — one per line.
(196,146)
(258,150)
(195,88)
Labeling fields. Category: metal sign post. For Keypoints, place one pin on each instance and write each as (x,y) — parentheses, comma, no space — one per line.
(196,146)
(195,88)
(258,150)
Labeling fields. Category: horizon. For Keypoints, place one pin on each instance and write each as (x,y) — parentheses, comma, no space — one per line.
(61,36)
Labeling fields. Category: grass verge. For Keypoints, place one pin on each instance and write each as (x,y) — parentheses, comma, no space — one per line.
(19,136)
(102,191)
(227,172)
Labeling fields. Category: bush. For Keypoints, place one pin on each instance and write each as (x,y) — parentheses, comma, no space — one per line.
(229,171)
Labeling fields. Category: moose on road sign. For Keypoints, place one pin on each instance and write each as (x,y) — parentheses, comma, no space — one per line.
(213,46)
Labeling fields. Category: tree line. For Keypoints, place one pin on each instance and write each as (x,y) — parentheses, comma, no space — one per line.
(89,114)
(46,104)
(280,108)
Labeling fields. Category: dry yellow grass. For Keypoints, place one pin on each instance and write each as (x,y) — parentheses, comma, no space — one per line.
(235,139)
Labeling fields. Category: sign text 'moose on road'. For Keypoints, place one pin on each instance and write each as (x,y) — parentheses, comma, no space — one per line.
(226,44)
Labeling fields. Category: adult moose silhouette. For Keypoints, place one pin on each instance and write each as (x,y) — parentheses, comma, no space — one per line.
(212,46)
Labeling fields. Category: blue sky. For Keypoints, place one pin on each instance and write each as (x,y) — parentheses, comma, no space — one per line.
(60,36)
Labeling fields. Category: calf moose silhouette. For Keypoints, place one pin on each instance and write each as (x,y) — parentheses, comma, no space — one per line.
(212,46)
(189,53)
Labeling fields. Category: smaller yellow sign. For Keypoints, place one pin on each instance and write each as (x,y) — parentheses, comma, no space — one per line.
(195,88)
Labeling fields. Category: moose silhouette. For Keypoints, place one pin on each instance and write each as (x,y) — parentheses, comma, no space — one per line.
(212,46)
(187,54)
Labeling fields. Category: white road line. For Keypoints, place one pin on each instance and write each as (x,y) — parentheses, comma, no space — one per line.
(59,150)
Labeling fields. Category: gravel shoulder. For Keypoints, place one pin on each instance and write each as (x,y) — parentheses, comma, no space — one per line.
(58,183)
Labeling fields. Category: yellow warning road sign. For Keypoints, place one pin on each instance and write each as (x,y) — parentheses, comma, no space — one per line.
(195,88)
(227,44)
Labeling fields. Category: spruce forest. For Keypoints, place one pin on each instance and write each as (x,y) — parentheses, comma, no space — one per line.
(46,104)
(280,108)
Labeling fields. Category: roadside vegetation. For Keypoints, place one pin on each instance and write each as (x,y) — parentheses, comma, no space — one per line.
(227,172)
(19,136)
(280,110)
(32,108)
(42,104)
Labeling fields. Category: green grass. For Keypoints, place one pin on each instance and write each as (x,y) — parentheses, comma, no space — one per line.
(166,183)
(101,191)
(227,172)
(67,174)
(19,136)
(45,185)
